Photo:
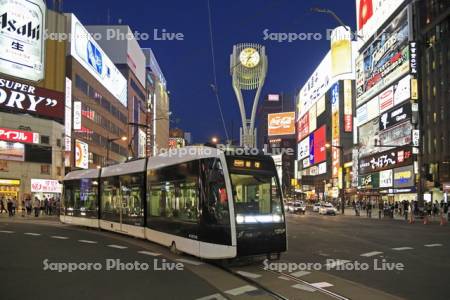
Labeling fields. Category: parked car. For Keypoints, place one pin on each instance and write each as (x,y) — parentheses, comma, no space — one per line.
(327,209)
(296,207)
(316,207)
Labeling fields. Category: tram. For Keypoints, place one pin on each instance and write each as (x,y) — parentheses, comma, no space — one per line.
(199,200)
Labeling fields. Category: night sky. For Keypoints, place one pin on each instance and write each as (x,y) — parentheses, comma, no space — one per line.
(187,64)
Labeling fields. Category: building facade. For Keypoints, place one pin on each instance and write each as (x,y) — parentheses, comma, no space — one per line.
(434,38)
(32,106)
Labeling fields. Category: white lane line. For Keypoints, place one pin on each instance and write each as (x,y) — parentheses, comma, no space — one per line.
(321,285)
(87,242)
(6,231)
(433,245)
(58,237)
(241,290)
(402,248)
(149,253)
(304,287)
(213,297)
(117,246)
(370,254)
(32,233)
(248,274)
(300,273)
(336,263)
(284,278)
(190,262)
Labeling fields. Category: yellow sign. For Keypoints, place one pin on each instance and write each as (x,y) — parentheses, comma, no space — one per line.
(414,89)
(9,182)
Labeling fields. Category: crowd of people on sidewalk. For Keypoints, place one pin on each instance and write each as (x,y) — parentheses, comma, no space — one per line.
(47,206)
(401,208)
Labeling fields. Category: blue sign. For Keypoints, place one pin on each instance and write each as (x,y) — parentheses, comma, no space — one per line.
(335,94)
(311,149)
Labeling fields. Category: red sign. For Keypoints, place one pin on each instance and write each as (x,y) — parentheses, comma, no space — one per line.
(302,128)
(348,123)
(320,151)
(19,136)
(365,12)
(24,98)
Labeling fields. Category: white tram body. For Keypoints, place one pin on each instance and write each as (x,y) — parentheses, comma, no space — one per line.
(198,199)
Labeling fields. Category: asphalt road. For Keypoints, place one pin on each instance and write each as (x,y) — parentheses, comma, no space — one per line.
(24,248)
(332,244)
(424,251)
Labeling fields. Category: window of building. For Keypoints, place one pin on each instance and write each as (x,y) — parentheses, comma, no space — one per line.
(45,139)
(58,142)
(81,84)
(3,166)
(45,169)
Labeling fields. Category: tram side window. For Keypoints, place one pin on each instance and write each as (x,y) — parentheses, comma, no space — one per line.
(68,203)
(86,198)
(215,198)
(110,206)
(173,192)
(131,193)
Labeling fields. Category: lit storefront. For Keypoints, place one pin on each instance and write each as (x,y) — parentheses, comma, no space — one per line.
(9,188)
(45,188)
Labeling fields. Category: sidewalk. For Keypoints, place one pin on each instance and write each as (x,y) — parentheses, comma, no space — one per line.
(43,217)
(350,212)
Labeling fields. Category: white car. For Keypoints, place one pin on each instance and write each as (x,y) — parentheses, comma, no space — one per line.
(296,207)
(327,209)
(316,207)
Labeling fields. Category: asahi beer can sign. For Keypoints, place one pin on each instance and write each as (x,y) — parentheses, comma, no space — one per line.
(22,25)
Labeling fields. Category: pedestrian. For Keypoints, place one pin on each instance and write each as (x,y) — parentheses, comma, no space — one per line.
(9,205)
(46,205)
(36,206)
(2,205)
(14,206)
(405,209)
(28,206)
(380,209)
(23,209)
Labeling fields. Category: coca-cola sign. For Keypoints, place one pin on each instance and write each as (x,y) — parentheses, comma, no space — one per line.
(22,44)
(20,97)
(281,124)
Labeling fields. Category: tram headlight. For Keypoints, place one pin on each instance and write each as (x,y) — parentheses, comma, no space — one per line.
(276,218)
(239,219)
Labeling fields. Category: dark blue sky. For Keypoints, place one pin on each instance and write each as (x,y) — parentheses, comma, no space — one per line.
(187,64)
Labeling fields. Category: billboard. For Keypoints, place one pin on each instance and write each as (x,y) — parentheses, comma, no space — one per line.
(369,137)
(399,135)
(368,111)
(81,155)
(395,116)
(89,54)
(386,179)
(341,51)
(45,186)
(303,127)
(386,160)
(29,99)
(384,61)
(22,44)
(371,14)
(320,140)
(404,177)
(370,181)
(303,149)
(12,151)
(19,136)
(348,106)
(335,129)
(281,123)
(76,115)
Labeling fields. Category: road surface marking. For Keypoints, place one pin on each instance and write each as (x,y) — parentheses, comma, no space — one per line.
(241,290)
(32,233)
(213,297)
(433,245)
(191,262)
(149,253)
(370,254)
(402,248)
(304,287)
(248,274)
(117,246)
(336,263)
(284,278)
(321,285)
(58,237)
(6,231)
(87,241)
(300,273)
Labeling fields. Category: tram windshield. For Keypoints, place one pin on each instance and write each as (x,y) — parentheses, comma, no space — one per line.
(257,196)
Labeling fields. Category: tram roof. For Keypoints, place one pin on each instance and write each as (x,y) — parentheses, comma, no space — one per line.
(80,174)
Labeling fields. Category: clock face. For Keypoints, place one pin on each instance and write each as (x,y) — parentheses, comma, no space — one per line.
(249,57)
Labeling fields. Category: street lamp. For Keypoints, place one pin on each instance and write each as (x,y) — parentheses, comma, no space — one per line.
(214,140)
(340,181)
(109,141)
